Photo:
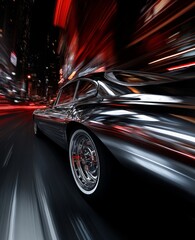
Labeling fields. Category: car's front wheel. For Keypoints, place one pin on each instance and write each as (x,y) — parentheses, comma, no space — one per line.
(89,164)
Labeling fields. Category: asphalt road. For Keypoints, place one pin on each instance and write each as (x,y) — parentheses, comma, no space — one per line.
(39,201)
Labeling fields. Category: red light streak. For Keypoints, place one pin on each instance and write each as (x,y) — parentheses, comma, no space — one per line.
(61,12)
(181,66)
(9,107)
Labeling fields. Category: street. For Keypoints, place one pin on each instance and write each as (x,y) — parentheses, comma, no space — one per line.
(39,201)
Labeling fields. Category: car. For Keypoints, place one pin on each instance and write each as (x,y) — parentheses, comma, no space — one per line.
(135,119)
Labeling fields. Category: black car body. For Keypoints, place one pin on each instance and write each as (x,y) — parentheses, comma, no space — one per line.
(141,119)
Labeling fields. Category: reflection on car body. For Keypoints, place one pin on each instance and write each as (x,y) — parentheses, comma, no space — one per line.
(139,119)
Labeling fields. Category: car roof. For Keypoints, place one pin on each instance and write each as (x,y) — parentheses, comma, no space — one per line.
(130,77)
(137,78)
(146,82)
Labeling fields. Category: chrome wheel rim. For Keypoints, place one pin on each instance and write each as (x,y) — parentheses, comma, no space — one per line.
(84,161)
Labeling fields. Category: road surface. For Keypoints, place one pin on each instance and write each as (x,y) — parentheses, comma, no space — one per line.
(39,201)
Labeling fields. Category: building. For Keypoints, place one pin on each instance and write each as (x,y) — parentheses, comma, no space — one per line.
(15,21)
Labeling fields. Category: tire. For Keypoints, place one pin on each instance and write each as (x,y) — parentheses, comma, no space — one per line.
(36,129)
(89,164)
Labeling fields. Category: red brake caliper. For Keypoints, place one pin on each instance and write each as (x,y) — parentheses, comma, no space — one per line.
(75,157)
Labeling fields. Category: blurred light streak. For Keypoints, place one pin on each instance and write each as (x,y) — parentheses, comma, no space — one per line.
(180,13)
(80,228)
(72,75)
(173,134)
(161,166)
(165,171)
(9,107)
(171,56)
(159,98)
(100,69)
(181,66)
(51,228)
(118,112)
(189,119)
(61,12)
(46,215)
(8,156)
(87,35)
(107,89)
(13,214)
(157,163)
(96,122)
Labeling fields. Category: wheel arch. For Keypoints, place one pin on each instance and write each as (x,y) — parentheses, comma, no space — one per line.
(75,125)
(109,165)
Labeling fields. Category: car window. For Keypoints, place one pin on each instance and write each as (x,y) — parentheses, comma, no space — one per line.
(67,93)
(86,88)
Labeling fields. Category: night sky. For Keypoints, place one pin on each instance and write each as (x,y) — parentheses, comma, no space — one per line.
(42,21)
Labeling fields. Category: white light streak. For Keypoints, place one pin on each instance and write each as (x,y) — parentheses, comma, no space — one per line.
(13,214)
(173,134)
(171,56)
(8,156)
